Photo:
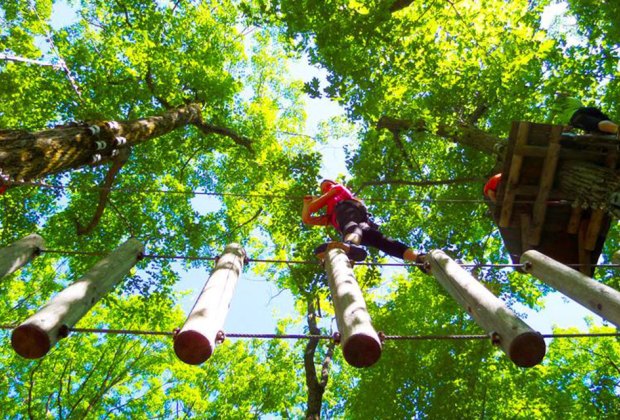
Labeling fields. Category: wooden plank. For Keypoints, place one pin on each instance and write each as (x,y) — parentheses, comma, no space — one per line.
(546,182)
(525,229)
(541,151)
(594,227)
(584,254)
(514,129)
(513,176)
(575,220)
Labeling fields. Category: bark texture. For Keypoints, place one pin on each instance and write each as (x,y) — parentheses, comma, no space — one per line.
(316,384)
(25,156)
(592,186)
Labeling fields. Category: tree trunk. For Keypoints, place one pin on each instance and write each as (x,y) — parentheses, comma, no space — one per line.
(591,185)
(25,155)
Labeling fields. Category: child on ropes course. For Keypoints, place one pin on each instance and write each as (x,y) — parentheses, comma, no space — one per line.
(348,215)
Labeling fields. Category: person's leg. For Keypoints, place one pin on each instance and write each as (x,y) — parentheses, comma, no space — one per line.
(376,239)
(593,120)
(392,247)
(348,216)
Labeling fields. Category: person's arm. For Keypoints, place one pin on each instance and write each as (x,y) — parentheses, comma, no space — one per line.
(318,203)
(306,213)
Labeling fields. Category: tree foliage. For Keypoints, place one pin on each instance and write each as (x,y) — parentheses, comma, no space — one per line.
(428,85)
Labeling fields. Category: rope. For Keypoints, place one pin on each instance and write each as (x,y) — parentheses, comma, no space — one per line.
(325,337)
(270,196)
(312,262)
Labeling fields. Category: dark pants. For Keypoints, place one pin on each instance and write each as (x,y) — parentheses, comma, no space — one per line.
(588,118)
(352,217)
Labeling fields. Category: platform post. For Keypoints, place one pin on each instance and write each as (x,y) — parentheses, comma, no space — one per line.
(35,336)
(196,341)
(524,346)
(360,342)
(19,253)
(599,298)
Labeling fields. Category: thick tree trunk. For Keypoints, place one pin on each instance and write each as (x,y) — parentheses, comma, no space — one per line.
(589,184)
(25,155)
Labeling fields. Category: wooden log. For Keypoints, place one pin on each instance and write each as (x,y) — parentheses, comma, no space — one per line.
(196,341)
(599,298)
(35,336)
(585,256)
(546,182)
(360,342)
(512,178)
(19,253)
(524,346)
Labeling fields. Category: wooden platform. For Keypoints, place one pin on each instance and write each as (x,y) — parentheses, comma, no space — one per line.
(531,213)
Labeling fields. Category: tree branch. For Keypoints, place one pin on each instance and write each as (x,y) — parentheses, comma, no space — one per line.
(151,85)
(63,63)
(6,57)
(213,129)
(104,192)
(315,388)
(400,5)
(463,134)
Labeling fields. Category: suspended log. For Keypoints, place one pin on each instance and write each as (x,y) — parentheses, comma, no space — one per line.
(35,336)
(524,346)
(196,341)
(599,298)
(19,253)
(361,346)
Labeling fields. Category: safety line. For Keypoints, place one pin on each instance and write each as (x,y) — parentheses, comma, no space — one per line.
(324,337)
(313,262)
(272,196)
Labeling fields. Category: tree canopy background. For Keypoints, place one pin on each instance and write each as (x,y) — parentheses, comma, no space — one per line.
(429,86)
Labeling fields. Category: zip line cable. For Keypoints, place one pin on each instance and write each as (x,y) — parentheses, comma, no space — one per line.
(275,261)
(267,195)
(323,337)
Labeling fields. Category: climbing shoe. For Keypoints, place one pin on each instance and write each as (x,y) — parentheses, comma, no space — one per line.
(353,251)
(423,265)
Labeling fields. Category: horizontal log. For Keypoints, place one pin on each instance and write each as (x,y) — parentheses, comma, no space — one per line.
(599,298)
(524,346)
(19,253)
(35,336)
